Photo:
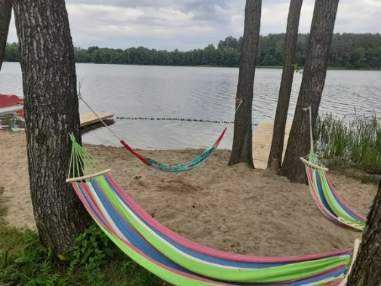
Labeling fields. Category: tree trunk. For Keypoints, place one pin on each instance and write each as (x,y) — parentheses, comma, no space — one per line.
(315,70)
(242,142)
(5,18)
(51,113)
(276,151)
(367,268)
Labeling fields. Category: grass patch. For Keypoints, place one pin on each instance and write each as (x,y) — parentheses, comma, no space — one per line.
(354,144)
(94,260)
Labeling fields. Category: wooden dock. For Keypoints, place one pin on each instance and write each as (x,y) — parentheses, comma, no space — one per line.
(262,137)
(90,119)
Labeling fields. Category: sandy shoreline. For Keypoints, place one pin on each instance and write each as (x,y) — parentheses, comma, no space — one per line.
(229,208)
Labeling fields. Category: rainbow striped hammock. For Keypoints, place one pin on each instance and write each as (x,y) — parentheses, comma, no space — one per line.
(179,261)
(327,199)
(178,168)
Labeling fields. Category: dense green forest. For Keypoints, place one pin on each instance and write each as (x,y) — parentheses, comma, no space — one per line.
(354,51)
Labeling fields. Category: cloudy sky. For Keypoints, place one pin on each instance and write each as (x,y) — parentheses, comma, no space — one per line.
(187,24)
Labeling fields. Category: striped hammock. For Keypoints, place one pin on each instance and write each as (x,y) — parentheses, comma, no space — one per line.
(181,262)
(178,168)
(326,198)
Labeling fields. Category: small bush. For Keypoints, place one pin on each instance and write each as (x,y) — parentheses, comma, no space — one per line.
(355,143)
(32,266)
(94,260)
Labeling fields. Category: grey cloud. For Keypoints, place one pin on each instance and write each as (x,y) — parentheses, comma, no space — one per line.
(202,10)
(186,24)
(207,10)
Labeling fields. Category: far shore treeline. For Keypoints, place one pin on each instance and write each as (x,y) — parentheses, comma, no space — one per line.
(348,51)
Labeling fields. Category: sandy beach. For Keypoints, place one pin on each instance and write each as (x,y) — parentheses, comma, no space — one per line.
(229,208)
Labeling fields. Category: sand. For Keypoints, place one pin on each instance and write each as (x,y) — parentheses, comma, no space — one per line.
(262,137)
(14,180)
(230,208)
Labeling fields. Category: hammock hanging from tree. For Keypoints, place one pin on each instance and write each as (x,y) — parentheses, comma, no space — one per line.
(323,192)
(176,168)
(179,261)
(326,198)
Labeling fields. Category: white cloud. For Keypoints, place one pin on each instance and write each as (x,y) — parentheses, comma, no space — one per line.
(186,24)
(12,37)
(109,23)
(359,16)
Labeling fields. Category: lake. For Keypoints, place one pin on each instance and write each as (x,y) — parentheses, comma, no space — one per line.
(197,93)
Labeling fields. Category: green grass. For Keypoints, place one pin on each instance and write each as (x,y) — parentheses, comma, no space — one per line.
(350,144)
(94,260)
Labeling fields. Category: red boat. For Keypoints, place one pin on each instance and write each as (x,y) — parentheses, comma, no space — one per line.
(8,103)
(10,100)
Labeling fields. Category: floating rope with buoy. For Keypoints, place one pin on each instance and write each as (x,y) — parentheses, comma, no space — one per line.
(151,118)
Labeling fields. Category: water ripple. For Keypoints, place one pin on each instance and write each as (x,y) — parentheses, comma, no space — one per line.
(198,93)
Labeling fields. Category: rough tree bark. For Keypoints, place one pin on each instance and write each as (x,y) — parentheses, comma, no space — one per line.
(242,142)
(315,70)
(367,268)
(5,18)
(51,111)
(276,151)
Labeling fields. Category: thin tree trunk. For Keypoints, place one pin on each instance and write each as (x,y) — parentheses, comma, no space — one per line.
(5,18)
(315,70)
(242,142)
(51,112)
(367,268)
(276,151)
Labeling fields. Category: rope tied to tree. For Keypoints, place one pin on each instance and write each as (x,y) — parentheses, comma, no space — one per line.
(309,109)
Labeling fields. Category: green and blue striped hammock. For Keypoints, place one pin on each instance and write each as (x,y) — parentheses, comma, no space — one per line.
(176,168)
(326,198)
(176,259)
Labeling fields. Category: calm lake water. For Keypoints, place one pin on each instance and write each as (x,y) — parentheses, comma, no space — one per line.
(198,93)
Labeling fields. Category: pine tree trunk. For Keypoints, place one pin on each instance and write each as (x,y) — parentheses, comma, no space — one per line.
(276,151)
(51,112)
(367,268)
(242,142)
(5,18)
(315,70)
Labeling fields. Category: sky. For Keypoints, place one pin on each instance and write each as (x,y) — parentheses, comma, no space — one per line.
(189,24)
